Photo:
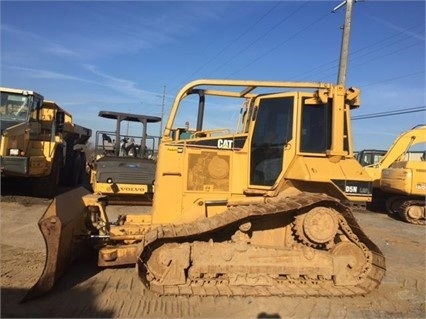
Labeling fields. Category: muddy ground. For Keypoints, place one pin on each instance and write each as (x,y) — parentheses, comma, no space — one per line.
(87,291)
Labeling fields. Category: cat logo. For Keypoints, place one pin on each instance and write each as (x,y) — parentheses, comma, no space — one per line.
(224,144)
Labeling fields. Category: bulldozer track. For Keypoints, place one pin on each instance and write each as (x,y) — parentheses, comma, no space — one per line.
(370,277)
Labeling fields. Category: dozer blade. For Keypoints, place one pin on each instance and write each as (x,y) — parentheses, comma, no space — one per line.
(62,226)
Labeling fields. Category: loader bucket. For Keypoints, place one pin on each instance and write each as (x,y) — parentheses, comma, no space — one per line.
(62,226)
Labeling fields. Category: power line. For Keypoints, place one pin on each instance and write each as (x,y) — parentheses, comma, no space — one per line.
(392,79)
(351,59)
(279,44)
(237,38)
(363,52)
(238,54)
(390,113)
(356,54)
(231,43)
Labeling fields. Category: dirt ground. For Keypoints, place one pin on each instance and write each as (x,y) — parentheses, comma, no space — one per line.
(86,291)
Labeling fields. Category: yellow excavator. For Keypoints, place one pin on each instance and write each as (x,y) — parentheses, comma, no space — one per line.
(253,202)
(369,156)
(399,178)
(404,181)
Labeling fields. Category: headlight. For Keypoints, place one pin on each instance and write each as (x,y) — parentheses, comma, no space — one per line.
(14,152)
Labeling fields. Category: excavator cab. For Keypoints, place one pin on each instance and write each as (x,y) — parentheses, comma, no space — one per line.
(252,201)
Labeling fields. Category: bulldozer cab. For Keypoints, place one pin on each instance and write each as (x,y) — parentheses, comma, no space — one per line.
(244,138)
(276,133)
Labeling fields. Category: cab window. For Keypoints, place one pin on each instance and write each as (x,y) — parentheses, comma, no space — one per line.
(316,128)
(273,129)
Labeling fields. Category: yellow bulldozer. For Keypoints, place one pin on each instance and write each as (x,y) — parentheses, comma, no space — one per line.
(254,201)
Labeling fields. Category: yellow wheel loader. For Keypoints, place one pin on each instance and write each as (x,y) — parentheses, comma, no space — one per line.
(252,202)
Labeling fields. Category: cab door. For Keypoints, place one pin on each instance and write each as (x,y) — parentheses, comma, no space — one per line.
(270,137)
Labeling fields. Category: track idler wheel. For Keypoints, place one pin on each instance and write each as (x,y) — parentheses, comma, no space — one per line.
(351,266)
(168,263)
(413,212)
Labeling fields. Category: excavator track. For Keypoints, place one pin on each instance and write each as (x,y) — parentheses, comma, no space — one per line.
(412,211)
(215,256)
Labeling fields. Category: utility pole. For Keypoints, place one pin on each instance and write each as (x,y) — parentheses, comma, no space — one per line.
(344,51)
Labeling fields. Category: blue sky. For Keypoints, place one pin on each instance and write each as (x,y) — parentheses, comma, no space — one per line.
(115,55)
